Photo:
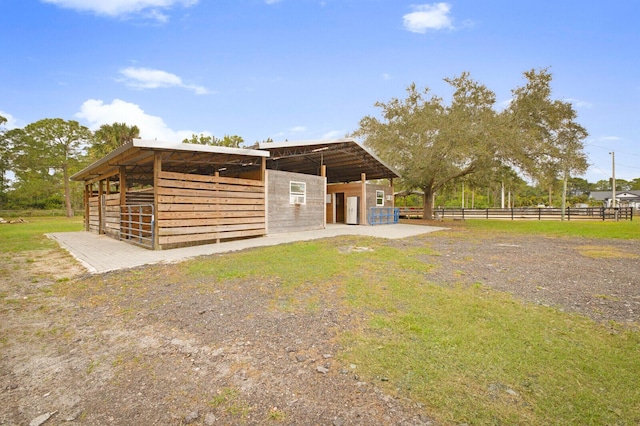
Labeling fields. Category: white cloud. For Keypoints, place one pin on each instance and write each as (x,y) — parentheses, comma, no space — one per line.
(146,78)
(11,123)
(610,138)
(97,113)
(386,76)
(428,17)
(272,1)
(119,8)
(578,103)
(298,129)
(334,134)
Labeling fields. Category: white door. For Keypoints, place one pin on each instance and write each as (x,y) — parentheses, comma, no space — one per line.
(352,210)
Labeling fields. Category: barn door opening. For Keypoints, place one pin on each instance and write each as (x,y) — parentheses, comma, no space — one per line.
(340,208)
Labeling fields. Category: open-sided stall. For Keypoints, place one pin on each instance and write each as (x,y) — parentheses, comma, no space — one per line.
(162,195)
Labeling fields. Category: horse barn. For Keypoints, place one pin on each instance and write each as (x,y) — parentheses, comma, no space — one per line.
(163,195)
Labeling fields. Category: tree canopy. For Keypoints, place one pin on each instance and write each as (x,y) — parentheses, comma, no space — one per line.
(432,143)
(551,141)
(5,161)
(234,141)
(111,136)
(46,148)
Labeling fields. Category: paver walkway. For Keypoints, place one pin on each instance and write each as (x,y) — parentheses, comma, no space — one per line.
(99,253)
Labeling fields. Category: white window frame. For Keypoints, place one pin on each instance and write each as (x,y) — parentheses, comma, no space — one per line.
(297,192)
(379,198)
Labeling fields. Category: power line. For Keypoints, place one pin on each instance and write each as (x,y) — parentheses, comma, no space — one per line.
(628,167)
(608,148)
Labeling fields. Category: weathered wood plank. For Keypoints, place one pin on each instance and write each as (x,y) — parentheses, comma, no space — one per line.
(209,207)
(194,230)
(172,199)
(162,215)
(215,179)
(176,239)
(206,193)
(212,221)
(210,186)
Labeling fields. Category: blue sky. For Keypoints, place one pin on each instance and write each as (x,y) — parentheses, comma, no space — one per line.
(310,69)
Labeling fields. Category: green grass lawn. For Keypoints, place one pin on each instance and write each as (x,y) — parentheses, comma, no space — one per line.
(589,229)
(471,355)
(17,237)
(468,354)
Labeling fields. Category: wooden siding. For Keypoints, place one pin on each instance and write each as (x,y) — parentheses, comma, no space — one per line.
(94,214)
(138,197)
(286,217)
(111,215)
(197,208)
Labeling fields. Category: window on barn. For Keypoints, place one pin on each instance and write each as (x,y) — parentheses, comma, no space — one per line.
(297,192)
(379,198)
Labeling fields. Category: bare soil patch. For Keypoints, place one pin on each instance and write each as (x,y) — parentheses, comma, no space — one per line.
(597,278)
(152,346)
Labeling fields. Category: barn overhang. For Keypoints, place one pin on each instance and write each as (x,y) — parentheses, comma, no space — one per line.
(137,158)
(345,159)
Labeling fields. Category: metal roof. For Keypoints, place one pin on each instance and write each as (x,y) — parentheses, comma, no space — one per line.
(345,159)
(606,195)
(137,157)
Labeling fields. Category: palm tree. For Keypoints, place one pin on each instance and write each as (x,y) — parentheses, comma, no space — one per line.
(111,136)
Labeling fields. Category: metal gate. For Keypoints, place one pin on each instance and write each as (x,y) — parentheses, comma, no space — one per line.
(136,225)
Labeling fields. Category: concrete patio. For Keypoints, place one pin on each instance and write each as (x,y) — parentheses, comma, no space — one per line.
(99,253)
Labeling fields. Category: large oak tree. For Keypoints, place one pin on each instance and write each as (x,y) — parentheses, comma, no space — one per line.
(550,142)
(431,143)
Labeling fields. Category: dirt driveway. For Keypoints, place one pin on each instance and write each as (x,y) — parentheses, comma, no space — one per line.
(149,346)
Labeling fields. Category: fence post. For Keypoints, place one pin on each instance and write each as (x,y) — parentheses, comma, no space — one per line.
(568,213)
(511,213)
(539,213)
(463,213)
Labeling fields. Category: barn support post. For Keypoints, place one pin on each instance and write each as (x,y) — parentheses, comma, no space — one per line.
(122,179)
(87,211)
(363,199)
(100,207)
(323,173)
(157,168)
(122,186)
(264,178)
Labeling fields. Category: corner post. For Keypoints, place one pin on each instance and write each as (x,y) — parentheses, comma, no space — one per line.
(157,168)
(363,199)
(100,207)
(323,173)
(87,210)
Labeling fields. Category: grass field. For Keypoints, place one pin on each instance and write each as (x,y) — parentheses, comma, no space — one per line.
(590,229)
(468,354)
(30,235)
